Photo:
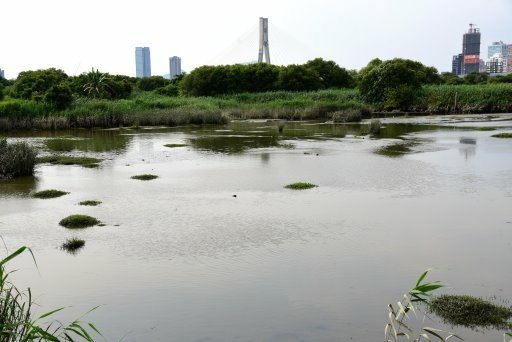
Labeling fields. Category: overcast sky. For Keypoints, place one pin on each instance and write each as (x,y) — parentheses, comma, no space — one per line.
(76,35)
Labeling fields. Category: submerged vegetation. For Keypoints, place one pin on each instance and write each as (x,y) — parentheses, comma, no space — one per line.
(16,159)
(16,315)
(471,312)
(52,193)
(92,203)
(70,160)
(300,186)
(73,245)
(503,135)
(145,177)
(78,221)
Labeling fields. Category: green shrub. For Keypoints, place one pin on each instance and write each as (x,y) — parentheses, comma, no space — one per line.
(52,193)
(348,115)
(16,159)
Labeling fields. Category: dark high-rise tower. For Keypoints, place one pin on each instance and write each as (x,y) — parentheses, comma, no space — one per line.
(457,64)
(471,50)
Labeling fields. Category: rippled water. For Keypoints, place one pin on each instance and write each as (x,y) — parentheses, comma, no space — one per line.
(182,259)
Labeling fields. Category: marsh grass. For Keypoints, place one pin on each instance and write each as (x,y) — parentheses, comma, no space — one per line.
(300,186)
(402,314)
(471,312)
(484,129)
(375,126)
(17,323)
(16,159)
(70,160)
(347,115)
(78,221)
(175,145)
(52,193)
(91,203)
(73,245)
(502,135)
(144,177)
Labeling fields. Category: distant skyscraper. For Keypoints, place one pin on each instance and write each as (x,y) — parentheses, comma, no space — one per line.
(471,50)
(2,73)
(495,64)
(175,66)
(142,62)
(457,64)
(509,58)
(497,48)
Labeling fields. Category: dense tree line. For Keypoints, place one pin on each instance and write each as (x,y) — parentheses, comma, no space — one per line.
(229,79)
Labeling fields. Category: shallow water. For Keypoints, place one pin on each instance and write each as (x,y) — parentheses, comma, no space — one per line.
(182,259)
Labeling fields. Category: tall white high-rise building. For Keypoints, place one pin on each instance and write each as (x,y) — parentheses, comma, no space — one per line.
(142,62)
(175,66)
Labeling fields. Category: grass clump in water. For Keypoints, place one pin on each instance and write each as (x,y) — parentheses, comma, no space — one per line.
(145,177)
(175,145)
(471,312)
(69,160)
(484,129)
(16,159)
(395,150)
(503,135)
(78,221)
(52,193)
(73,245)
(300,186)
(92,203)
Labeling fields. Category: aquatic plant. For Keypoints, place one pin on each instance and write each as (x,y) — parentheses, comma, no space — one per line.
(484,129)
(375,125)
(175,145)
(73,245)
(52,193)
(145,177)
(300,186)
(395,150)
(70,160)
(348,115)
(16,316)
(90,203)
(78,221)
(502,135)
(16,159)
(471,312)
(398,328)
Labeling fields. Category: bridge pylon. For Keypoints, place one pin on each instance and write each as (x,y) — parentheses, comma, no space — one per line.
(264,41)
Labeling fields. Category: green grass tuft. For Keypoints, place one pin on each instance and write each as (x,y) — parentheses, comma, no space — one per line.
(92,203)
(300,186)
(73,245)
(16,159)
(471,312)
(175,145)
(503,135)
(52,193)
(145,177)
(78,221)
(69,160)
(484,129)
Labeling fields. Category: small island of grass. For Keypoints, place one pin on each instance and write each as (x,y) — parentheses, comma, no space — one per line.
(52,193)
(471,312)
(90,203)
(73,245)
(484,129)
(502,135)
(70,160)
(300,186)
(175,145)
(145,177)
(78,221)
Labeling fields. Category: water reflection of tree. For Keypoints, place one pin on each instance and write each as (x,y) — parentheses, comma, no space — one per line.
(18,187)
(467,147)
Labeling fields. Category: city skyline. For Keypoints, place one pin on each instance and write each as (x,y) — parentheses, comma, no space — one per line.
(350,33)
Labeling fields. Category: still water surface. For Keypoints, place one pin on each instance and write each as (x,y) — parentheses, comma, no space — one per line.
(182,259)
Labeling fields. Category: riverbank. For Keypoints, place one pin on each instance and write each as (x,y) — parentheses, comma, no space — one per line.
(151,109)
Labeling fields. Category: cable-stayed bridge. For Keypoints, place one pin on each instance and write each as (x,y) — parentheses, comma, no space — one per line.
(281,47)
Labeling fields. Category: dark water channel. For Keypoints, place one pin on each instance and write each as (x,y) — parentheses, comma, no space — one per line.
(181,259)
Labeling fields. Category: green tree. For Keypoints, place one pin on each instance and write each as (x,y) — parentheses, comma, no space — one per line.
(34,84)
(96,84)
(391,84)
(152,83)
(59,96)
(476,78)
(298,78)
(1,92)
(451,79)
(331,74)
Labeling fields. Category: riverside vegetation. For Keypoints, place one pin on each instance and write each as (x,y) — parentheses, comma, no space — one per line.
(318,89)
